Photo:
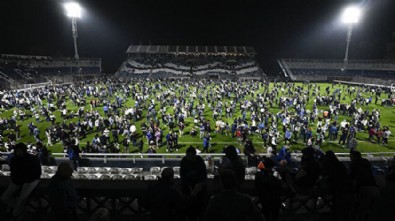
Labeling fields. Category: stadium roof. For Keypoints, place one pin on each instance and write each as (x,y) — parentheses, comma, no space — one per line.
(183,49)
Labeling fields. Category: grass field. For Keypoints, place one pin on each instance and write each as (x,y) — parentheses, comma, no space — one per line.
(219,141)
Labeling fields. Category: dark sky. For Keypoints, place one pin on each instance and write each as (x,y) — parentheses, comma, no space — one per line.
(276,28)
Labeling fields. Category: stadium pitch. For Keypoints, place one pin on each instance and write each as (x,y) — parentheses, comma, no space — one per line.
(218,140)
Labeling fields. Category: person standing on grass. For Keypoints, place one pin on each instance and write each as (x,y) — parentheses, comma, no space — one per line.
(344,135)
(352,145)
(206,143)
(386,135)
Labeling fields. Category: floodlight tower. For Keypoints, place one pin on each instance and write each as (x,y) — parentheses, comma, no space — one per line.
(350,17)
(73,10)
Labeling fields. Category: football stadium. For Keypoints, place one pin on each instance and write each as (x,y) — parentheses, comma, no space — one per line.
(167,110)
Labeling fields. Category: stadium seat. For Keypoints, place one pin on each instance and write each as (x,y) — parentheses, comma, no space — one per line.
(80,177)
(92,170)
(54,168)
(44,169)
(116,177)
(176,170)
(249,177)
(82,170)
(131,177)
(126,170)
(45,176)
(137,170)
(155,170)
(5,168)
(47,169)
(115,170)
(93,177)
(104,170)
(251,170)
(150,177)
(105,177)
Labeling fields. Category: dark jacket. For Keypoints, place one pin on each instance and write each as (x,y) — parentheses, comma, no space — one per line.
(231,205)
(25,169)
(164,201)
(193,171)
(361,172)
(63,197)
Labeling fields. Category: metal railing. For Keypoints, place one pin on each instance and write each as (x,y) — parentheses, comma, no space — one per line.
(180,155)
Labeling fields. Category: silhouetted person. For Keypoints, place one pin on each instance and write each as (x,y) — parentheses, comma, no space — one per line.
(231,205)
(25,175)
(163,200)
(233,162)
(339,185)
(193,172)
(268,188)
(63,197)
(383,208)
(307,176)
(367,191)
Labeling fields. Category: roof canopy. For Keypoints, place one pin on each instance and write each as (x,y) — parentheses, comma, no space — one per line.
(182,49)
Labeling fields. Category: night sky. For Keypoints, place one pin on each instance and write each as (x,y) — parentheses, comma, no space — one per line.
(276,28)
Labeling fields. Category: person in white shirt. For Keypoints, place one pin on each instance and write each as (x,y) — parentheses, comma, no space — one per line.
(269,151)
(49,141)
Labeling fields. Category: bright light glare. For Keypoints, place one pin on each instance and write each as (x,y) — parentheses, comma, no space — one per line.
(73,9)
(351,15)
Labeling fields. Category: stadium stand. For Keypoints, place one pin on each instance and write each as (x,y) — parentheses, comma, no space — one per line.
(28,69)
(363,71)
(190,61)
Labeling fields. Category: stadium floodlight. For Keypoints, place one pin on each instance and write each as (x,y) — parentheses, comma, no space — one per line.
(73,10)
(350,16)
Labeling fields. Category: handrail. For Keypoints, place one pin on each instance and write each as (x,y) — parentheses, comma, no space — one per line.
(183,154)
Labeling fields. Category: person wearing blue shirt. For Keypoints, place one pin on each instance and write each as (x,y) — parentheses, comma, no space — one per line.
(206,143)
(288,135)
(105,109)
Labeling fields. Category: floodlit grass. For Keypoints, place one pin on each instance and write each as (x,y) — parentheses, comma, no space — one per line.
(218,140)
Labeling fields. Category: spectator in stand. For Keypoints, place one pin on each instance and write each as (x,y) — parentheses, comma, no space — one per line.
(307,176)
(383,209)
(193,172)
(249,151)
(269,189)
(25,175)
(163,200)
(233,162)
(284,154)
(229,204)
(63,197)
(340,186)
(74,154)
(367,190)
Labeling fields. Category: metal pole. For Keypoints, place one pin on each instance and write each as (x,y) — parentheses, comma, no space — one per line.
(75,35)
(349,33)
